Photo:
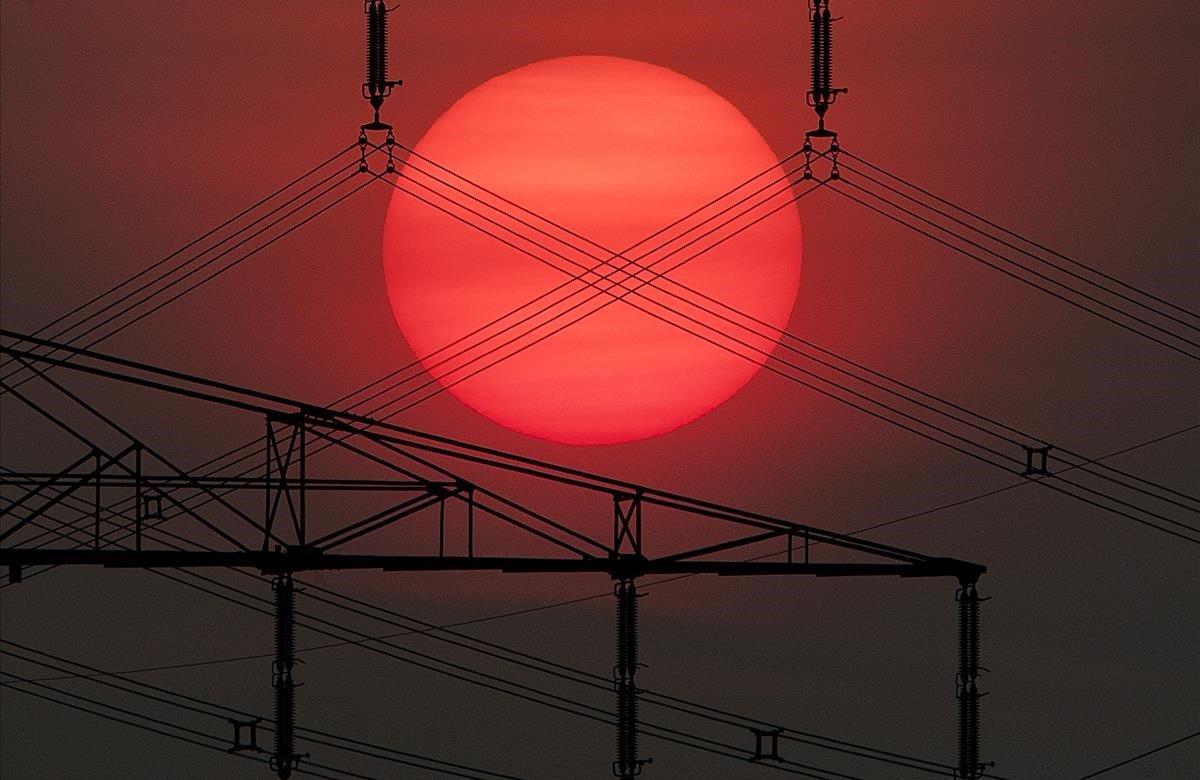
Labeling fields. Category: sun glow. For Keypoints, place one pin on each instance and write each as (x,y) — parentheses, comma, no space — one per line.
(613,150)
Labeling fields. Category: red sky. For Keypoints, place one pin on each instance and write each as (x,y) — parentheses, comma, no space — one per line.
(127,131)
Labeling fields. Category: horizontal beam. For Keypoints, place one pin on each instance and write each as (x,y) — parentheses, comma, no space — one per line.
(299,559)
(381,432)
(32,480)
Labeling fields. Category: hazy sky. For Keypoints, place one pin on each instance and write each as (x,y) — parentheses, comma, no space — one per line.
(129,129)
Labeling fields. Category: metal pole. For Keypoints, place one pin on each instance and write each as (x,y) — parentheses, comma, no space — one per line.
(303,478)
(137,517)
(96,521)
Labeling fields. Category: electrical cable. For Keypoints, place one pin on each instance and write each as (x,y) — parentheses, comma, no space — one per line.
(785,334)
(593,680)
(157,730)
(1018,236)
(1007,272)
(1140,756)
(493,682)
(656,276)
(675,223)
(193,242)
(1187,508)
(190,703)
(199,283)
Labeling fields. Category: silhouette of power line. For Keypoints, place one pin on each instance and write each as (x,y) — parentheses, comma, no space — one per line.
(222,712)
(157,728)
(462,672)
(205,280)
(519,463)
(976,216)
(242,594)
(1140,756)
(1044,279)
(766,353)
(426,628)
(193,242)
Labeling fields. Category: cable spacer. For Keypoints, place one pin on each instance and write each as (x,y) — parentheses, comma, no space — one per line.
(252,727)
(1037,461)
(771,738)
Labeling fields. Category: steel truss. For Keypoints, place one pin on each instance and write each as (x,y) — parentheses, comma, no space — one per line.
(133,491)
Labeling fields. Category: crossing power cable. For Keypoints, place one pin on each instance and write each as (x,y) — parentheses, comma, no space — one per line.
(178,265)
(463,673)
(783,333)
(1087,490)
(1089,495)
(218,272)
(670,226)
(1146,443)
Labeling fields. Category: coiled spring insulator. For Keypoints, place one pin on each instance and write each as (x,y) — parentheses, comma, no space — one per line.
(376,47)
(284,759)
(377,86)
(627,764)
(826,25)
(818,49)
(823,93)
(967,683)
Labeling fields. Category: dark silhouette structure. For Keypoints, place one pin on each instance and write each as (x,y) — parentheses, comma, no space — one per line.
(286,539)
(134,491)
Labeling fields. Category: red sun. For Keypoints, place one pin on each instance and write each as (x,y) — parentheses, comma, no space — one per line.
(613,150)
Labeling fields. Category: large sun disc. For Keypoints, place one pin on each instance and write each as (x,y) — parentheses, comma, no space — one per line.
(612,151)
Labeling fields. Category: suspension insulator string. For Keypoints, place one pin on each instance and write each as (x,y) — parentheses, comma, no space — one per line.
(967,683)
(284,759)
(627,765)
(377,86)
(823,94)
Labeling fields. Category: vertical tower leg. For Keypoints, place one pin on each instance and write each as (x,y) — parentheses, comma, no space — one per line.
(628,764)
(284,759)
(969,765)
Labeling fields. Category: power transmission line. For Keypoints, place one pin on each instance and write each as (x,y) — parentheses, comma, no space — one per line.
(679,221)
(1020,237)
(429,627)
(193,242)
(159,693)
(157,728)
(1140,756)
(687,738)
(204,280)
(766,353)
(1039,275)
(496,683)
